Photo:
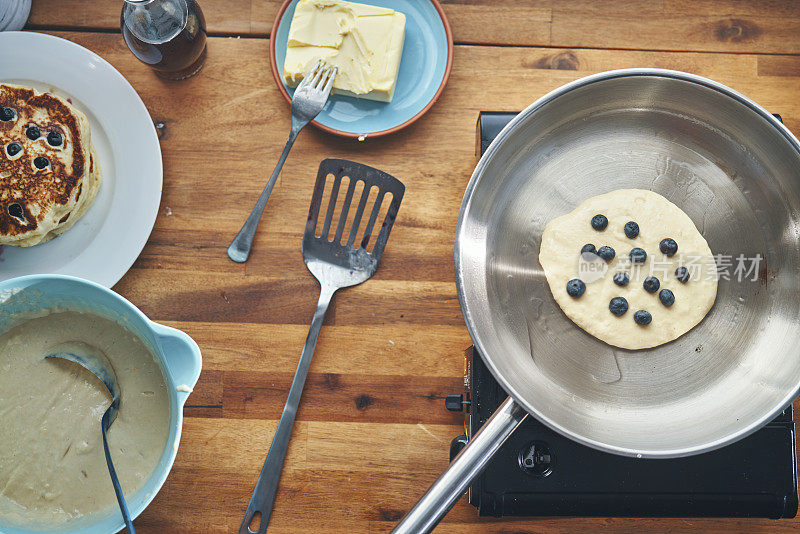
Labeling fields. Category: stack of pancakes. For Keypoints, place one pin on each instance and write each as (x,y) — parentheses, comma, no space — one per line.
(49,172)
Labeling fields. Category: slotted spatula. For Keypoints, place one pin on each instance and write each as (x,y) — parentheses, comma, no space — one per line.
(336,263)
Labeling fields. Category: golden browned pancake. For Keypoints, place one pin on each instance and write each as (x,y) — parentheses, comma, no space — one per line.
(49,173)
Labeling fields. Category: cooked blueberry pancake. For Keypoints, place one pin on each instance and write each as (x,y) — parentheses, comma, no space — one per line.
(49,173)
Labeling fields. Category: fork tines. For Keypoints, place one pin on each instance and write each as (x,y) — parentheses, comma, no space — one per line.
(320,77)
(371,177)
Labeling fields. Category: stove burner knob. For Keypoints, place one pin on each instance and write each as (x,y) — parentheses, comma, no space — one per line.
(456,445)
(454,402)
(536,459)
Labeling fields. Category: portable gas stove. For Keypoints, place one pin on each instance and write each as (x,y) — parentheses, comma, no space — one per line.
(538,472)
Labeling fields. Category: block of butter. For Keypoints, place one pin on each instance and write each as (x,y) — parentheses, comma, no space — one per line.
(364,41)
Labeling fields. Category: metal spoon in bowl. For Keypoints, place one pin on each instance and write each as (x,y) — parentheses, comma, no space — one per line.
(96,363)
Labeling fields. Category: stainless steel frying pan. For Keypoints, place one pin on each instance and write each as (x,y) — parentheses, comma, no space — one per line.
(733,168)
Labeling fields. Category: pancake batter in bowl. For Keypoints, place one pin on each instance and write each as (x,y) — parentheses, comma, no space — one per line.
(52,467)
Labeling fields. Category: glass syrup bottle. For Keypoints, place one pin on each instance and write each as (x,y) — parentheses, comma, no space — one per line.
(168,35)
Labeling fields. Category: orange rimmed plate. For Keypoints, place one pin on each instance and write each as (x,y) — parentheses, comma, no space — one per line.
(424,70)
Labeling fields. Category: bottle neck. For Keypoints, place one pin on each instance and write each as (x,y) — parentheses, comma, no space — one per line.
(155,21)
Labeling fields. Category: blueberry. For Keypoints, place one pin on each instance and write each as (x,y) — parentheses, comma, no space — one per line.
(682,274)
(599,222)
(606,252)
(618,306)
(638,255)
(588,247)
(575,288)
(55,139)
(33,133)
(651,284)
(13,149)
(15,210)
(7,114)
(668,246)
(642,317)
(631,229)
(666,297)
(621,279)
(41,162)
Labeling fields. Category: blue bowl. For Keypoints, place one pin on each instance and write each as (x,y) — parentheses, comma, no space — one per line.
(424,70)
(177,354)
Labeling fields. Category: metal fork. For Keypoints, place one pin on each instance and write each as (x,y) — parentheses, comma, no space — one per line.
(335,263)
(309,98)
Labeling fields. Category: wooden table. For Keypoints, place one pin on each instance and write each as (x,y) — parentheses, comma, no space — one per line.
(372,432)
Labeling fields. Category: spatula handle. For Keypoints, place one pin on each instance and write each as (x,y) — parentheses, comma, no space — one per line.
(267,486)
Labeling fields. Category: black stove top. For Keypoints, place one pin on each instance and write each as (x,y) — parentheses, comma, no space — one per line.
(538,472)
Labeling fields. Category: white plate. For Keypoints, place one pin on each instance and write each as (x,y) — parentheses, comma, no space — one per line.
(103,245)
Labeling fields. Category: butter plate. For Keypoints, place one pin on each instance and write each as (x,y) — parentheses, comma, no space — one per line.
(424,70)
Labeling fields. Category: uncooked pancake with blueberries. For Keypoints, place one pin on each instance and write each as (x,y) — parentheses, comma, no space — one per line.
(49,173)
(630,268)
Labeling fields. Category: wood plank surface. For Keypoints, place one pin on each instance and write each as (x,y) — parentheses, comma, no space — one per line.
(764,26)
(372,432)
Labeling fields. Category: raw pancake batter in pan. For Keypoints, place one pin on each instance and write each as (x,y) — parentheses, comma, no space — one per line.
(630,268)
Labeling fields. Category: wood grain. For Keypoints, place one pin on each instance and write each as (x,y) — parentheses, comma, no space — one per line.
(372,431)
(709,25)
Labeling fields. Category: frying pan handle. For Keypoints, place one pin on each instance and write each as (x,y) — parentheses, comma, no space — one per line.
(467,465)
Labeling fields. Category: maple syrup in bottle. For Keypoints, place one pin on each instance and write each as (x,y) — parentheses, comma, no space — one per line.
(168,35)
